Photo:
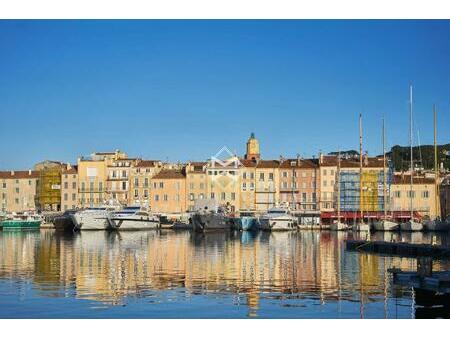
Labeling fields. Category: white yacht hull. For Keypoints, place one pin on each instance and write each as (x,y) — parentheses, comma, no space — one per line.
(133,223)
(411,226)
(338,226)
(385,225)
(361,227)
(90,220)
(278,223)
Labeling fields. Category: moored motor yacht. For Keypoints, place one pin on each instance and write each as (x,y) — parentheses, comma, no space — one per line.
(132,218)
(338,226)
(92,219)
(65,221)
(436,225)
(278,219)
(209,216)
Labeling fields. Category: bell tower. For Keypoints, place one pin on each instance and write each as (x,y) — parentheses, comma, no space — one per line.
(252,148)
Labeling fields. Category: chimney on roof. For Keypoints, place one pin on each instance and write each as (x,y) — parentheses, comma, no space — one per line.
(298,159)
(68,166)
(29,172)
(366,159)
(12,172)
(320,157)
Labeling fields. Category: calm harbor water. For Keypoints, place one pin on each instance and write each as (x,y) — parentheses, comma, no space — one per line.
(171,274)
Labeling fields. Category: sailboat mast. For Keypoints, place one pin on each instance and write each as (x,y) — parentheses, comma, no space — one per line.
(436,169)
(339,187)
(411,150)
(384,173)
(360,167)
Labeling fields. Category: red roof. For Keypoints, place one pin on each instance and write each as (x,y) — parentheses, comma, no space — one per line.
(19,174)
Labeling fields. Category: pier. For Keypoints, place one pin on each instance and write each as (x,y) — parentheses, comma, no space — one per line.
(399,249)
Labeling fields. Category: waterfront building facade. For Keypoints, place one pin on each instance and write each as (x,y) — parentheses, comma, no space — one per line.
(49,189)
(328,175)
(141,174)
(299,187)
(69,187)
(423,196)
(247,185)
(196,183)
(223,182)
(168,193)
(266,184)
(18,190)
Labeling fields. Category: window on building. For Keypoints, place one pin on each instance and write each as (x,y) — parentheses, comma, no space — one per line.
(83,187)
(146,182)
(74,185)
(304,197)
(294,173)
(74,197)
(425,194)
(17,201)
(244,175)
(285,174)
(270,176)
(155,185)
(17,190)
(261,176)
(411,194)
(252,176)
(332,172)
(325,183)
(124,173)
(4,185)
(145,193)
(233,196)
(136,181)
(252,186)
(324,172)
(161,184)
(124,186)
(100,186)
(314,197)
(213,195)
(66,185)
(136,193)
(156,198)
(285,185)
(66,197)
(397,194)
(244,186)
(222,196)
(191,197)
(165,197)
(201,196)
(17,181)
(29,182)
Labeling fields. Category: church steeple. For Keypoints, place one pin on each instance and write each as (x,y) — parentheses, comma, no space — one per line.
(252,148)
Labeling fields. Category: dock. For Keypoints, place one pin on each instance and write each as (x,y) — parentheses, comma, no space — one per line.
(399,249)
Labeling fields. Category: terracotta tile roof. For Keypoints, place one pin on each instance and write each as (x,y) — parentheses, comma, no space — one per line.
(147,163)
(299,164)
(406,179)
(19,174)
(198,163)
(248,163)
(332,161)
(267,164)
(170,174)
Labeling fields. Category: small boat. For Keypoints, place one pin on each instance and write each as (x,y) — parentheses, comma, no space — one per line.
(385,225)
(64,222)
(92,219)
(278,219)
(361,227)
(411,225)
(21,222)
(246,221)
(132,218)
(338,226)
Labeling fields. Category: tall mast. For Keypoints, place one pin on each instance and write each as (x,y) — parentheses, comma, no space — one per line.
(384,173)
(411,150)
(436,170)
(360,167)
(339,187)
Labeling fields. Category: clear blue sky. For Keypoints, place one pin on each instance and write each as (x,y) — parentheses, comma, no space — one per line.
(180,90)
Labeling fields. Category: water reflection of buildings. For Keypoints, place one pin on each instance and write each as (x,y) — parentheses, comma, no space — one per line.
(109,266)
